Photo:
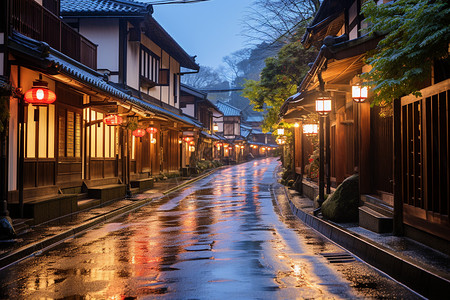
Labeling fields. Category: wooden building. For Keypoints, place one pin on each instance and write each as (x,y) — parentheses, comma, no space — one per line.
(65,155)
(196,104)
(362,140)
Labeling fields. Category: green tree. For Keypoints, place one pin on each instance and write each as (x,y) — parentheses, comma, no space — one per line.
(417,33)
(279,80)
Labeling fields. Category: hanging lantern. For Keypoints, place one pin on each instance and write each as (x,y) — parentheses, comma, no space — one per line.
(215,127)
(113,120)
(151,130)
(39,94)
(187,139)
(139,132)
(280,131)
(359,93)
(153,140)
(242,147)
(323,105)
(219,145)
(310,129)
(191,143)
(296,125)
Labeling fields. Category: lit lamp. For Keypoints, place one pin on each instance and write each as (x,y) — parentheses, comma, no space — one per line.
(323,105)
(139,132)
(296,125)
(310,129)
(39,94)
(151,131)
(215,127)
(359,93)
(113,120)
(280,131)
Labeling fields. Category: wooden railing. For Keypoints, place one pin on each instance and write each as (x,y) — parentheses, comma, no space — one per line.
(36,22)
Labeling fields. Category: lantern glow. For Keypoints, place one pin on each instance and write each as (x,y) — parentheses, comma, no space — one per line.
(151,130)
(359,93)
(310,129)
(323,105)
(215,127)
(113,120)
(280,131)
(139,132)
(39,94)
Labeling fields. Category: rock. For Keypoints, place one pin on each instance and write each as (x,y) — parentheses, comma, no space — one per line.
(6,228)
(342,205)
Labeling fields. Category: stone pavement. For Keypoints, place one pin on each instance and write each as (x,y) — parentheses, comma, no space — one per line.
(42,236)
(419,267)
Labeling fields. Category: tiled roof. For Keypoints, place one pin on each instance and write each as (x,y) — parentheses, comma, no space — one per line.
(103,6)
(255,118)
(91,78)
(228,110)
(128,8)
(245,132)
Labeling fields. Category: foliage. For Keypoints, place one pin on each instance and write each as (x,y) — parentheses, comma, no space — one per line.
(417,34)
(279,80)
(4,113)
(312,168)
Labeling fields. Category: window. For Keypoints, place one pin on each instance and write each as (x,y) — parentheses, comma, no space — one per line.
(228,129)
(40,131)
(69,133)
(149,67)
(175,88)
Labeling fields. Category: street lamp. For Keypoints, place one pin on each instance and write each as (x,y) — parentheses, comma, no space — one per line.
(359,93)
(280,131)
(310,129)
(323,107)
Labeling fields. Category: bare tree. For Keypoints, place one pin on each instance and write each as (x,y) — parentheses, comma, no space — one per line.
(275,20)
(207,77)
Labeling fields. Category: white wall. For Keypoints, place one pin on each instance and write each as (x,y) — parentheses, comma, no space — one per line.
(189,110)
(105,33)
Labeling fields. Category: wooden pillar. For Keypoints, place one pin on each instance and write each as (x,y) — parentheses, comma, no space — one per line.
(365,177)
(397,161)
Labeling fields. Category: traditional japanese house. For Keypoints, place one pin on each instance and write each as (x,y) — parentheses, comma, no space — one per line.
(229,126)
(366,139)
(81,149)
(142,59)
(195,104)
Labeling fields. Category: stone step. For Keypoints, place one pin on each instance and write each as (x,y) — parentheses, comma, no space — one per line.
(142,184)
(374,221)
(88,203)
(107,192)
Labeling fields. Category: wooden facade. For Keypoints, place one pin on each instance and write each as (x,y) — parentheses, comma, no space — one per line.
(425,177)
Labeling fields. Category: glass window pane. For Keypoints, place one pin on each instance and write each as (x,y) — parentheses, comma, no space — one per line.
(51,131)
(42,152)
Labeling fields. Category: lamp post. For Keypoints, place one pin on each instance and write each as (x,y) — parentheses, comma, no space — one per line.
(359,95)
(323,107)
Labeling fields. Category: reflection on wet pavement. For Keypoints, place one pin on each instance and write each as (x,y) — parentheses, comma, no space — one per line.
(219,238)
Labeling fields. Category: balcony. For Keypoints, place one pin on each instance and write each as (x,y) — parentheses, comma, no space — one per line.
(36,22)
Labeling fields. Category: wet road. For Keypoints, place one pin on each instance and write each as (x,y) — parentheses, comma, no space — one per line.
(223,237)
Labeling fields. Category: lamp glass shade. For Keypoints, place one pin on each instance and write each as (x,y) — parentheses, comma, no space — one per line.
(280,131)
(113,120)
(310,129)
(323,105)
(39,94)
(215,127)
(359,93)
(139,132)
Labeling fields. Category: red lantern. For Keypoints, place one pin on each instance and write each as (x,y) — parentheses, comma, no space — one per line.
(113,120)
(151,130)
(187,139)
(139,132)
(39,94)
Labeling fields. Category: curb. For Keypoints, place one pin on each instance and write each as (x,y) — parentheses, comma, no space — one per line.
(45,244)
(424,282)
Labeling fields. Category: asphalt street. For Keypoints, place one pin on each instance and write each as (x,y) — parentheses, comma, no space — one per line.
(230,235)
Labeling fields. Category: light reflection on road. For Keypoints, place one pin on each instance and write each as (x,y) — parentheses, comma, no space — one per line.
(218,239)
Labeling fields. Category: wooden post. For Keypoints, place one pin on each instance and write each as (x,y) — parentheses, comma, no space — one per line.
(397,161)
